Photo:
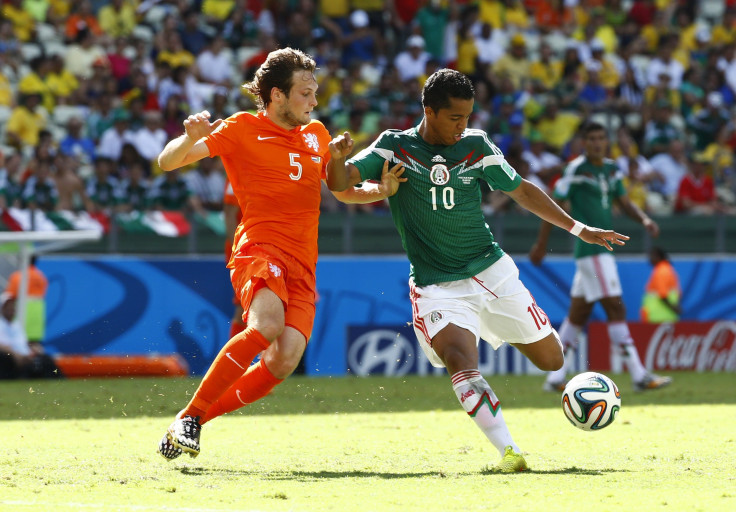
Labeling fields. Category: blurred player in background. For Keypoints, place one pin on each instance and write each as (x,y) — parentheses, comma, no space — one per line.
(232,214)
(275,161)
(661,301)
(592,184)
(35,322)
(463,286)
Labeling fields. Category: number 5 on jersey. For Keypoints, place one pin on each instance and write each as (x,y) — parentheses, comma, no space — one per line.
(294,162)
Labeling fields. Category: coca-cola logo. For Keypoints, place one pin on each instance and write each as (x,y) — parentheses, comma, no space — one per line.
(714,350)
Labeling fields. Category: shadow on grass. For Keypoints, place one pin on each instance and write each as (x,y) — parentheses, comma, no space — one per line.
(577,471)
(164,397)
(305,475)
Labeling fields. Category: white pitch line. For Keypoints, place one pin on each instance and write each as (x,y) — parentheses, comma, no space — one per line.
(101,506)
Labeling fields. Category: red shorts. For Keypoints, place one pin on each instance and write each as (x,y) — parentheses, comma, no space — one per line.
(265,265)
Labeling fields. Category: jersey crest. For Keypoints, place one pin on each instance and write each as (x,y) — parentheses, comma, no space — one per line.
(312,142)
(439,174)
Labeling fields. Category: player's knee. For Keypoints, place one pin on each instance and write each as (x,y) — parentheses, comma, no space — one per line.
(455,359)
(554,361)
(282,363)
(269,328)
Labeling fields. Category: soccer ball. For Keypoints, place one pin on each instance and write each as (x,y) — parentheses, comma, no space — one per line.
(591,401)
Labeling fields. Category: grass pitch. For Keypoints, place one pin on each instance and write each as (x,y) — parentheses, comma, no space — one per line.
(371,444)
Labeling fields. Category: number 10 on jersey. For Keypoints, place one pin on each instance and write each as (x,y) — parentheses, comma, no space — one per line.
(448,197)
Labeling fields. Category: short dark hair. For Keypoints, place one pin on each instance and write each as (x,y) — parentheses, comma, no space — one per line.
(278,71)
(592,126)
(443,85)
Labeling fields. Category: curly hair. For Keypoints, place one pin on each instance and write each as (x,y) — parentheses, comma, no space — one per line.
(443,85)
(278,71)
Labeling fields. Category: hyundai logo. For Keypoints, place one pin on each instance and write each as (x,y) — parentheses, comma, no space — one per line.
(381,351)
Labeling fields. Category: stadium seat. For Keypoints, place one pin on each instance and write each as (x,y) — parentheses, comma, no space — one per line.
(30,51)
(63,113)
(47,33)
(143,32)
(612,122)
(712,10)
(55,48)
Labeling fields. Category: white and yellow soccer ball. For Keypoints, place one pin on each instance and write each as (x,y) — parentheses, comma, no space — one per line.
(591,401)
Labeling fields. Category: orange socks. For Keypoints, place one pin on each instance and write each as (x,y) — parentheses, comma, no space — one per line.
(230,364)
(257,382)
(236,328)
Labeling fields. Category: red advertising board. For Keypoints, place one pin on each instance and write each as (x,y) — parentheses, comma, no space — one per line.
(700,346)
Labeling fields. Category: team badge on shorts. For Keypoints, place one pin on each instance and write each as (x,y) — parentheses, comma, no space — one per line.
(439,174)
(435,316)
(275,270)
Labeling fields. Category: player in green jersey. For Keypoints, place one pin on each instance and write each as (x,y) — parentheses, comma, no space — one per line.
(462,285)
(592,184)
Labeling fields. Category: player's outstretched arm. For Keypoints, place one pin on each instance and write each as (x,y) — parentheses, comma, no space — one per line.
(189,147)
(534,199)
(372,192)
(341,176)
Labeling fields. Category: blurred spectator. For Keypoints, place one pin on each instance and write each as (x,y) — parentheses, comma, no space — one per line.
(360,43)
(664,66)
(514,63)
(118,59)
(82,54)
(636,168)
(515,136)
(193,38)
(432,20)
(102,186)
(117,18)
(100,116)
(661,301)
(170,192)
(151,138)
(76,144)
(134,191)
(659,131)
(643,12)
(411,62)
(24,25)
(696,194)
(557,127)
(214,64)
(173,115)
(467,52)
(35,82)
(206,181)
(26,121)
(10,189)
(173,51)
(708,121)
(82,18)
(673,166)
(62,84)
(39,191)
(545,72)
(70,187)
(545,166)
(112,139)
(18,358)
(593,96)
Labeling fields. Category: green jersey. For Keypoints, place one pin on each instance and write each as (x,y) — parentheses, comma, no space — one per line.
(591,190)
(437,211)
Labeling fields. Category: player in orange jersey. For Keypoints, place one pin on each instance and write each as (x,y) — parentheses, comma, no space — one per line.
(276,162)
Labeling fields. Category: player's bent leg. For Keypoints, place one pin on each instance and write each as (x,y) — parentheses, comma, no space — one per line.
(546,354)
(457,348)
(277,362)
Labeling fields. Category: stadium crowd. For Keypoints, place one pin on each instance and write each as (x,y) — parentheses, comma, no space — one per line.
(91,91)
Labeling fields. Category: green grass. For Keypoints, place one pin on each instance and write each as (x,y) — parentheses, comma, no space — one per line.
(372,444)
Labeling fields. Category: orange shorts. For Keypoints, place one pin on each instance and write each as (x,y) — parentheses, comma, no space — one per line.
(265,265)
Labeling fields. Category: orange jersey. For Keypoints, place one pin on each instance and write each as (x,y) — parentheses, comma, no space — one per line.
(276,177)
(37,283)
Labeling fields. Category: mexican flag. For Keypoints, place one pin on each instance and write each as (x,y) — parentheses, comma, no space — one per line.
(163,223)
(17,219)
